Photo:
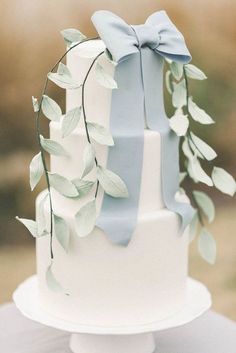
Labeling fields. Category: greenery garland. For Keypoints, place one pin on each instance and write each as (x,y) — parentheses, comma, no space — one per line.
(192,146)
(194,151)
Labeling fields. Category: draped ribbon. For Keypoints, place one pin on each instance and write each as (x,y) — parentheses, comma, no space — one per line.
(139,52)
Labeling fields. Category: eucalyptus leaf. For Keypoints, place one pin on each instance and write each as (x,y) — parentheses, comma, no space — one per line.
(199,114)
(193,227)
(177,70)
(179,94)
(205,203)
(51,109)
(182,176)
(186,149)
(64,186)
(85,219)
(100,134)
(30,225)
(195,149)
(109,57)
(62,231)
(83,186)
(168,81)
(41,219)
(53,147)
(103,78)
(36,170)
(112,184)
(63,70)
(198,173)
(88,159)
(52,282)
(207,246)
(179,123)
(72,35)
(70,121)
(194,72)
(63,80)
(223,181)
(35,104)
(203,147)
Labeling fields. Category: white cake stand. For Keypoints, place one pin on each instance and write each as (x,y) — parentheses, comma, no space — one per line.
(116,339)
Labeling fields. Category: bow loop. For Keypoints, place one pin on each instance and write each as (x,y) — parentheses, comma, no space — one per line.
(158,33)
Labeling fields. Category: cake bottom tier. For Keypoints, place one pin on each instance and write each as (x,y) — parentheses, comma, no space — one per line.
(114,285)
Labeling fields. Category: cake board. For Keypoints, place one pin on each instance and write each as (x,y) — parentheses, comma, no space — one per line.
(117,339)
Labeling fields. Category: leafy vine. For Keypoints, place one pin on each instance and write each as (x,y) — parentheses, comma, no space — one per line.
(195,149)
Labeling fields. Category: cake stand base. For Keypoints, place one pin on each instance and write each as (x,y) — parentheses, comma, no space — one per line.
(84,343)
(112,339)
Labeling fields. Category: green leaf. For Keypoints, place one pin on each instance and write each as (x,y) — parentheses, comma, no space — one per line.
(88,159)
(207,246)
(51,281)
(112,184)
(63,70)
(83,186)
(109,57)
(51,109)
(100,134)
(72,35)
(30,225)
(63,80)
(53,147)
(70,121)
(62,231)
(194,72)
(168,81)
(177,70)
(203,147)
(103,78)
(198,173)
(193,227)
(85,219)
(179,94)
(223,181)
(186,150)
(64,186)
(36,170)
(205,203)
(179,123)
(199,114)
(41,219)
(182,176)
(35,104)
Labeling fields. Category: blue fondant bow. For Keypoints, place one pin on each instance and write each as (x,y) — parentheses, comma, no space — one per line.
(139,50)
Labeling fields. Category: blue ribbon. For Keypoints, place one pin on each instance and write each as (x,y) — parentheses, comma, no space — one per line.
(139,74)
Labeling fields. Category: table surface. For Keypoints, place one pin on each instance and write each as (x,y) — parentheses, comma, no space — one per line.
(211,333)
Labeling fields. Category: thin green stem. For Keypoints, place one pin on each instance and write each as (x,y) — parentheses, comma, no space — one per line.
(39,141)
(84,111)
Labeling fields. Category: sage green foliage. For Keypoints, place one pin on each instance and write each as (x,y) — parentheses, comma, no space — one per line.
(196,152)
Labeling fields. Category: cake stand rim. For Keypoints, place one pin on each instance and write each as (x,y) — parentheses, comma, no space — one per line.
(187,314)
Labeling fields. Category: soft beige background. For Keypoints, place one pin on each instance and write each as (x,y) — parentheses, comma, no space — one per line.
(30,44)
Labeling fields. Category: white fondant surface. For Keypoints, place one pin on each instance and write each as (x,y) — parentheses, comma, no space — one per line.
(143,282)
(72,167)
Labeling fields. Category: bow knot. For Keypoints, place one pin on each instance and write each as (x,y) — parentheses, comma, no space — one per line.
(147,36)
(158,33)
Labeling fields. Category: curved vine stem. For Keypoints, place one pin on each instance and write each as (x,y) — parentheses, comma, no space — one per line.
(84,111)
(38,114)
(189,137)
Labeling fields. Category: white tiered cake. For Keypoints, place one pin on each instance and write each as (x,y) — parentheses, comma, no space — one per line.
(107,283)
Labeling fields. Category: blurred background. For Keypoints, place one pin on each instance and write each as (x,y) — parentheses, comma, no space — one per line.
(31,43)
